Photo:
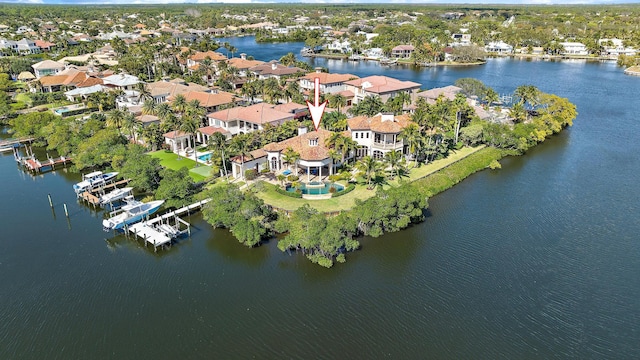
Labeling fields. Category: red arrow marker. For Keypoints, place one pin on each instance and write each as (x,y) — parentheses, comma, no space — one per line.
(316,109)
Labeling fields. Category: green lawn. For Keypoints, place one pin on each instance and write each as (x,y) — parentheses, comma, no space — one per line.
(23,98)
(346,202)
(340,203)
(170,160)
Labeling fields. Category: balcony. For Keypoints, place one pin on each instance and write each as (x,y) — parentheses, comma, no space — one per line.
(385,145)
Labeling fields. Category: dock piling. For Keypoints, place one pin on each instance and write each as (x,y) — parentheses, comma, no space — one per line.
(50,202)
(66,212)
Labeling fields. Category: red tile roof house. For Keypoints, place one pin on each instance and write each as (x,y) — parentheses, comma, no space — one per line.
(240,120)
(329,83)
(379,134)
(402,51)
(382,86)
(274,70)
(314,156)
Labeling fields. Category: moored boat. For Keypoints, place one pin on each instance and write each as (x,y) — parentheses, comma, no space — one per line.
(93,180)
(131,213)
(115,195)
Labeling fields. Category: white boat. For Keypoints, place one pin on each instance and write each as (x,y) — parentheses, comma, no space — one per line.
(6,148)
(117,194)
(93,180)
(131,213)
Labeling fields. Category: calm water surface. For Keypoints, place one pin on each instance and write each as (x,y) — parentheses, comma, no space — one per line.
(537,260)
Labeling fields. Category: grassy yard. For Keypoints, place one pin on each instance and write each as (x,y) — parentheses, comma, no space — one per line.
(170,160)
(346,202)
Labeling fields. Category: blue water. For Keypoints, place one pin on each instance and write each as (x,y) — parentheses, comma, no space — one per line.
(537,260)
(205,157)
(315,190)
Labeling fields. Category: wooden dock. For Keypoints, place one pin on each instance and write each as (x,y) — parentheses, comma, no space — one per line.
(9,142)
(90,196)
(159,231)
(31,163)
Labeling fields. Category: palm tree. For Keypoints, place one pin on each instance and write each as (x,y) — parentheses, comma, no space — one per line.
(218,143)
(517,112)
(347,145)
(143,92)
(192,121)
(179,103)
(334,156)
(130,124)
(149,107)
(291,157)
(337,101)
(271,90)
(491,96)
(395,160)
(411,135)
(369,168)
(528,94)
(241,144)
(288,60)
(292,90)
(116,118)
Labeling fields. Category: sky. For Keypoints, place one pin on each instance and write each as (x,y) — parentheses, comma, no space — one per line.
(520,2)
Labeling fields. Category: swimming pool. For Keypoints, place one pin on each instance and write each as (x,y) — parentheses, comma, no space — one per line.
(316,188)
(205,157)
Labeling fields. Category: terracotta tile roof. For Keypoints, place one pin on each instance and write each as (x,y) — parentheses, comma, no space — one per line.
(257,114)
(53,80)
(377,124)
(210,130)
(300,144)
(214,56)
(147,118)
(75,78)
(170,88)
(175,134)
(255,154)
(347,93)
(274,68)
(328,78)
(292,108)
(243,64)
(448,91)
(403,48)
(210,99)
(44,44)
(382,84)
(90,81)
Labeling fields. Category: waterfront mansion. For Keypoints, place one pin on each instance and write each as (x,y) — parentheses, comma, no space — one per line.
(375,136)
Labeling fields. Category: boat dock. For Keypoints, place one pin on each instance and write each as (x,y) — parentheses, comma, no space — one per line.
(90,196)
(31,163)
(10,142)
(159,231)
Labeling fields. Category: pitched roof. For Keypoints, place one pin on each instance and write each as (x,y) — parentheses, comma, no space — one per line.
(175,134)
(210,130)
(388,124)
(382,84)
(255,154)
(403,48)
(261,113)
(214,56)
(47,64)
(207,99)
(53,80)
(328,78)
(300,144)
(243,64)
(121,80)
(448,91)
(90,81)
(44,44)
(171,88)
(274,68)
(25,75)
(147,118)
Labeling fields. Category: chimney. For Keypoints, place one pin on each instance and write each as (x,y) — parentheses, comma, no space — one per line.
(386,117)
(318,70)
(302,130)
(243,56)
(274,66)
